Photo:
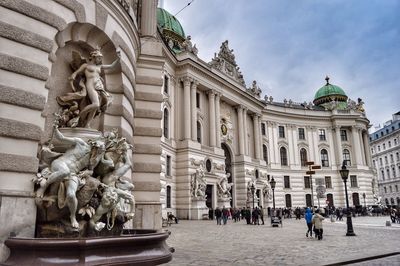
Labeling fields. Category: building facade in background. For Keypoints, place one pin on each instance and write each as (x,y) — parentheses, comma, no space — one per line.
(385,150)
(214,121)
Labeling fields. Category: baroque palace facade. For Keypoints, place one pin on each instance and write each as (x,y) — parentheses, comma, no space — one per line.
(201,138)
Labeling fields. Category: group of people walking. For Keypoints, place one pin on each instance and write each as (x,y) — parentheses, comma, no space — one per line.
(255,216)
(314,223)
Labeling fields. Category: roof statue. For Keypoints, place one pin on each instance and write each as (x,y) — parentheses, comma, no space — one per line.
(225,62)
(254,90)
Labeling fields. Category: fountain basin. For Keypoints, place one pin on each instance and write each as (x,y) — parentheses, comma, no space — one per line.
(133,247)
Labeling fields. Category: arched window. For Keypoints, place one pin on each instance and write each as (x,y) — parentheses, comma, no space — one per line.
(288,199)
(283,153)
(303,157)
(387,201)
(392,201)
(166,123)
(346,157)
(308,200)
(324,158)
(265,153)
(356,199)
(168,196)
(198,132)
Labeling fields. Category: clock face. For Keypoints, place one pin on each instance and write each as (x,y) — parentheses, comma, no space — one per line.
(224,129)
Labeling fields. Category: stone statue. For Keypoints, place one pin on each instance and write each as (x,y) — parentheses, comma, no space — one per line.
(87,84)
(88,177)
(68,167)
(188,46)
(360,105)
(198,183)
(267,190)
(223,187)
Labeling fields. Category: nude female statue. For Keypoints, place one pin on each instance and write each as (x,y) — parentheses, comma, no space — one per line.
(99,98)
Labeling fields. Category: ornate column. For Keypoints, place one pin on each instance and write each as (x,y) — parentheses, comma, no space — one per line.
(149,18)
(193,108)
(275,142)
(239,110)
(245,133)
(218,118)
(363,156)
(331,145)
(256,126)
(295,148)
(211,103)
(338,144)
(315,143)
(311,145)
(186,104)
(367,149)
(272,142)
(291,151)
(356,145)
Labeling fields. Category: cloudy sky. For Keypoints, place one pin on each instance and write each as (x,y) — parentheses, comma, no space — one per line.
(290,46)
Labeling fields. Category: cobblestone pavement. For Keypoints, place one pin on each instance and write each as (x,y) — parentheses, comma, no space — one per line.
(205,243)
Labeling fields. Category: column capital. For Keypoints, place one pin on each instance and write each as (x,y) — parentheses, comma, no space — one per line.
(195,84)
(239,107)
(211,92)
(186,80)
(218,94)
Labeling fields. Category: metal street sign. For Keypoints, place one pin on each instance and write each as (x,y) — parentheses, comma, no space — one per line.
(310,172)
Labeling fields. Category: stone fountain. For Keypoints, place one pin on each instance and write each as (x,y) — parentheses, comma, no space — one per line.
(83,195)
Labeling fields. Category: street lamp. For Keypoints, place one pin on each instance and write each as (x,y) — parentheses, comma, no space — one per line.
(273,183)
(252,192)
(344,173)
(310,172)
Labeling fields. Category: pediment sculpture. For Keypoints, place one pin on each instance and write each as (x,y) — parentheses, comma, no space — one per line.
(226,63)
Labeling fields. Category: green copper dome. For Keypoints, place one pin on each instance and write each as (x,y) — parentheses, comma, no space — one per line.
(167,22)
(328,93)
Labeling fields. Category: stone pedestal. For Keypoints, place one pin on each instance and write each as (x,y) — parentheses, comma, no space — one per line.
(199,209)
(224,202)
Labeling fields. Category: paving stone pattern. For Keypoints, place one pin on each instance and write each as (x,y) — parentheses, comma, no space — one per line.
(205,243)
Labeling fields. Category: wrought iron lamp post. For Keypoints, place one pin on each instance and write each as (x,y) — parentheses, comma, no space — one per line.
(344,173)
(273,183)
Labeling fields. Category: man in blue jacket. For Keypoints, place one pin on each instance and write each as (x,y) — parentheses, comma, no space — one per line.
(308,216)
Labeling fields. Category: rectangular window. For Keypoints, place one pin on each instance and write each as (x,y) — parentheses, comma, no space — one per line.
(166,80)
(343,134)
(353,181)
(281,131)
(321,133)
(286,180)
(263,132)
(168,165)
(301,134)
(197,100)
(328,182)
(307,183)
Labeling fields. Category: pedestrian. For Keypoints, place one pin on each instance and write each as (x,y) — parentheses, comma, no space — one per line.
(218,215)
(262,214)
(317,221)
(308,217)
(225,215)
